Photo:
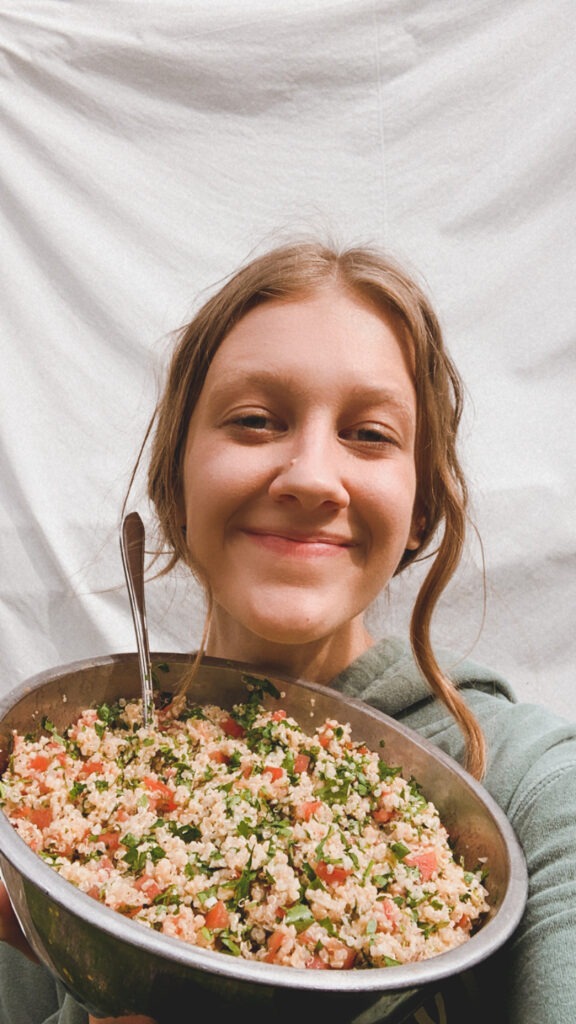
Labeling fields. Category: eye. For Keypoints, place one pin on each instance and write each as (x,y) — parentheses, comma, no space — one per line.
(253,421)
(253,425)
(371,436)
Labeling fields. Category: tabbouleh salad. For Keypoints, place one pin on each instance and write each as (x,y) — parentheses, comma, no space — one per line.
(238,832)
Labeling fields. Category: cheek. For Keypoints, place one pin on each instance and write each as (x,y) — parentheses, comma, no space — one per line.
(390,499)
(388,511)
(216,482)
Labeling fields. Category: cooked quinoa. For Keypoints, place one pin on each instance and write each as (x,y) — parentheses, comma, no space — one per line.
(238,832)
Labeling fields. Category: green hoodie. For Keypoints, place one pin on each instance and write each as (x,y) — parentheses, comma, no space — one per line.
(532,776)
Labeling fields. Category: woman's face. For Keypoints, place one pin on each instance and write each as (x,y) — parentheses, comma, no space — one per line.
(299,479)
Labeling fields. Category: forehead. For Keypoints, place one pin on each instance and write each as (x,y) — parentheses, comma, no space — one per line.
(330,331)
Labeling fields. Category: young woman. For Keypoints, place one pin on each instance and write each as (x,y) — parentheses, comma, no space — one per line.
(302,454)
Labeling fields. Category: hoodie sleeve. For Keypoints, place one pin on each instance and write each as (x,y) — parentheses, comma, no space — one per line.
(532,776)
(30,995)
(539,965)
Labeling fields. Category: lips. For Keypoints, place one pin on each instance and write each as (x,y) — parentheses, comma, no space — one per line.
(295,543)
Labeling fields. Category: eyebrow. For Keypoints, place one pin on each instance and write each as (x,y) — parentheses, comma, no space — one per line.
(386,396)
(369,395)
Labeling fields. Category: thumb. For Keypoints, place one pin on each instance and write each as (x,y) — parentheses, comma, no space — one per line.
(10,930)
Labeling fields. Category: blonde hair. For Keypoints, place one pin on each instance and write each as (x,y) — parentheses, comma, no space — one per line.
(288,272)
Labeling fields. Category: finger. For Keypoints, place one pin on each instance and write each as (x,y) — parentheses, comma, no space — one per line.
(10,930)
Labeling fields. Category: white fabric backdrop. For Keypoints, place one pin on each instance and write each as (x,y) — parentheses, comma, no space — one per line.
(149,146)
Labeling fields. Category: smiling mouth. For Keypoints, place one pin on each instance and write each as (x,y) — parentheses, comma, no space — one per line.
(303,544)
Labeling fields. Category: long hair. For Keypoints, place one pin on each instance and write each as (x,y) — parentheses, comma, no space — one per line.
(288,272)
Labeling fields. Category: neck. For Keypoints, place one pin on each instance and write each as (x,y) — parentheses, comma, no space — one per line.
(316,661)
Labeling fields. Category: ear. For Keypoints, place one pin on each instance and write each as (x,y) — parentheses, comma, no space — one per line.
(417,531)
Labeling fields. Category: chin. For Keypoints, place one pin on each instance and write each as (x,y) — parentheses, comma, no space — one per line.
(291,631)
(288,634)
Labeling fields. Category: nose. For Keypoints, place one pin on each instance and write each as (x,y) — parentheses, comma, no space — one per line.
(311,475)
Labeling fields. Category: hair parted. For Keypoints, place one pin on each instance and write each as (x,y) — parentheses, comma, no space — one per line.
(288,272)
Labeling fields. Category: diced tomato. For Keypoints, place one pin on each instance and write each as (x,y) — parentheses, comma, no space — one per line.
(111,840)
(149,886)
(124,908)
(301,763)
(463,922)
(278,715)
(42,817)
(274,771)
(331,873)
(382,815)
(217,917)
(390,909)
(324,737)
(275,940)
(426,863)
(162,795)
(315,963)
(52,751)
(90,767)
(39,763)
(152,784)
(273,944)
(232,728)
(247,771)
(218,756)
(39,816)
(391,913)
(305,810)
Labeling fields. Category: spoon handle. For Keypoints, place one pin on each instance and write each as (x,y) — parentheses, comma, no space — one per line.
(132,547)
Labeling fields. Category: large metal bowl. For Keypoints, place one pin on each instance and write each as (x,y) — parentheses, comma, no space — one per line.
(113,965)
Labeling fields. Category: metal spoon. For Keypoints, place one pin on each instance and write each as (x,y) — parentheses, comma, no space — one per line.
(132,547)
